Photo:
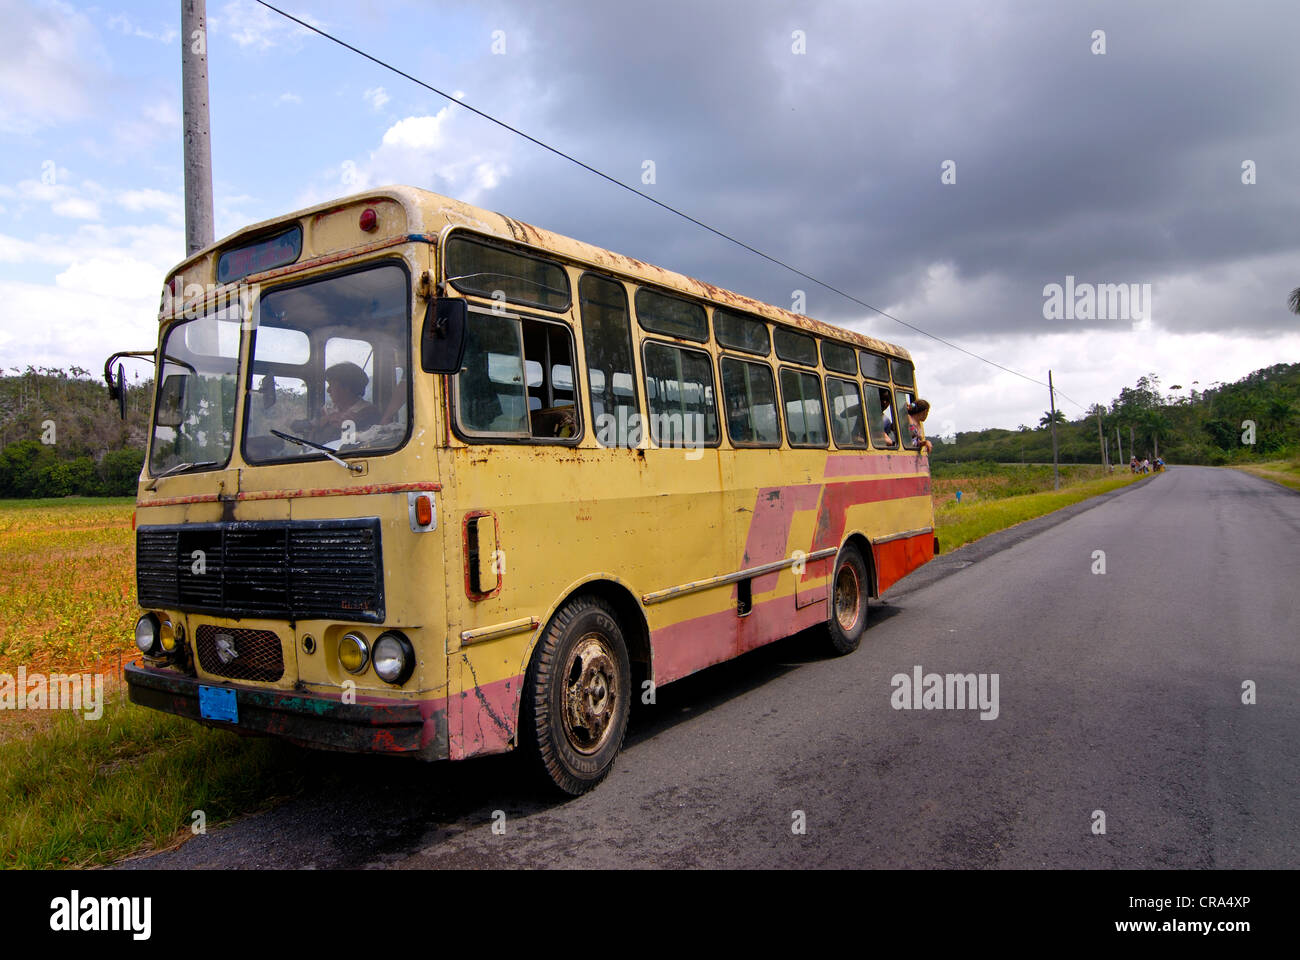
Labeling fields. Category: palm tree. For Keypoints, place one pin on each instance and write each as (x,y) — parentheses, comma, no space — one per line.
(1046,419)
(1293,301)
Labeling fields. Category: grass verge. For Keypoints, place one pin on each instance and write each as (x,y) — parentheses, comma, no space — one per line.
(82,793)
(1285,472)
(960,523)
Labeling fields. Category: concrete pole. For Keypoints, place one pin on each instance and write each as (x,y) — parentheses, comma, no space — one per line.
(1119,445)
(1101,437)
(1056,466)
(198,148)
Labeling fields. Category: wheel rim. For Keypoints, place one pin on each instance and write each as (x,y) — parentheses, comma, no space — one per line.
(591,694)
(848,597)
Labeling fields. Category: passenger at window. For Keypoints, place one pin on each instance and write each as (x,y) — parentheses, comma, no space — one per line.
(917,411)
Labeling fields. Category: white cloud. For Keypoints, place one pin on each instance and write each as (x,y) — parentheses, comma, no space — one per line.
(51,65)
(254,27)
(377,97)
(289,98)
(164,34)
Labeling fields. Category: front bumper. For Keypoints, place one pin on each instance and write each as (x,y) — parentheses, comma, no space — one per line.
(371,725)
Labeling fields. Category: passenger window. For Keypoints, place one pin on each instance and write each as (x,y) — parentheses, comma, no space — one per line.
(517,380)
(607,342)
(679,394)
(488,270)
(904,373)
(912,429)
(805,421)
(880,417)
(837,357)
(738,332)
(659,313)
(795,347)
(749,393)
(874,366)
(848,425)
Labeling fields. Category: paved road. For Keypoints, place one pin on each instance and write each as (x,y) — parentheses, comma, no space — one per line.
(1118,692)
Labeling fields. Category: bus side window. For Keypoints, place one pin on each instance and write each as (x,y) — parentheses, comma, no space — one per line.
(847,426)
(607,341)
(679,393)
(880,417)
(805,421)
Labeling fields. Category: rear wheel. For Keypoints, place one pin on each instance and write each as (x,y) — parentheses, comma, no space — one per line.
(577,696)
(848,601)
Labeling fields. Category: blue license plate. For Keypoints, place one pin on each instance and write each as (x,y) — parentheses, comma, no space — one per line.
(218,703)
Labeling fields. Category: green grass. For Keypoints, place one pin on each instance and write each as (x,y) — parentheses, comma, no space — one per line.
(1285,472)
(44,503)
(960,523)
(87,792)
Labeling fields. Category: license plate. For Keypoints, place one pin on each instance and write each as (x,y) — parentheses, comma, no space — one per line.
(218,703)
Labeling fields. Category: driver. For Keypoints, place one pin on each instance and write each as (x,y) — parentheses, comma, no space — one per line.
(346,385)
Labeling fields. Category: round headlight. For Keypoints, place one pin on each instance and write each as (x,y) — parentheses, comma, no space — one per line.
(353,652)
(394,658)
(146,635)
(168,637)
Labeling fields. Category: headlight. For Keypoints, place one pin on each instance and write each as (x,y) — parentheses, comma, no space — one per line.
(353,652)
(394,658)
(146,635)
(170,636)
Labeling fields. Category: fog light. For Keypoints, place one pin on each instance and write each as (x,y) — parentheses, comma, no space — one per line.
(146,635)
(353,653)
(167,637)
(394,658)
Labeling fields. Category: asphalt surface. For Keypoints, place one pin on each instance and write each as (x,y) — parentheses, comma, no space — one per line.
(1119,693)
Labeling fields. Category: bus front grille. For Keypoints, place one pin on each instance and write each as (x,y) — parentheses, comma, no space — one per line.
(290,570)
(240,654)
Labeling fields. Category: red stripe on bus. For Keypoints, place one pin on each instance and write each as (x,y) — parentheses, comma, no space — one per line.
(838,497)
(681,649)
(367,489)
(484,718)
(895,559)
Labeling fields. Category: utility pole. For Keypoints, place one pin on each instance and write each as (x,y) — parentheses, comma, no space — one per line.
(1119,445)
(198,147)
(1132,446)
(1056,467)
(1101,437)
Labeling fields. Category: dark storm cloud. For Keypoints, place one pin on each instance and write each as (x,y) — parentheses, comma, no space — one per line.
(1122,168)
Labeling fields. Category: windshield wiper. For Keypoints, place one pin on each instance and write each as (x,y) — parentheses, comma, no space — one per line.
(179,468)
(352,467)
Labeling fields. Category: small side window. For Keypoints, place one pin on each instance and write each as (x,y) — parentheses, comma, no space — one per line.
(795,347)
(805,420)
(738,332)
(837,357)
(659,313)
(904,374)
(874,366)
(488,270)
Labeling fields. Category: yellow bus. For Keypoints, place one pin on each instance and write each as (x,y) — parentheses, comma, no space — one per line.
(427,480)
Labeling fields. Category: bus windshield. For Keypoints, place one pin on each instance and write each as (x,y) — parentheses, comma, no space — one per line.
(330,365)
(195,417)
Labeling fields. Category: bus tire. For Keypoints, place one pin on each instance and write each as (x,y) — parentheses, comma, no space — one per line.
(577,696)
(847,601)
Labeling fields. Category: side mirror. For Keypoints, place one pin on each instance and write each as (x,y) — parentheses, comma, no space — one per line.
(171,400)
(442,340)
(119,389)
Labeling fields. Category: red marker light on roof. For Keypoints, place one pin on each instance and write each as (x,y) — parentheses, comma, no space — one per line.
(369,219)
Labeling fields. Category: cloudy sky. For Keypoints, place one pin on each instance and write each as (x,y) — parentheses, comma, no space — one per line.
(945,162)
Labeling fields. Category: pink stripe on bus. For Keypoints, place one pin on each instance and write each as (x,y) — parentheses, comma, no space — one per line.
(865,464)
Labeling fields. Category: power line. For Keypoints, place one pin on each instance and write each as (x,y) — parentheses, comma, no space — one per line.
(645,196)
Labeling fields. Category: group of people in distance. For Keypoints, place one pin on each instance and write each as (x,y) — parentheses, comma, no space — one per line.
(1145,465)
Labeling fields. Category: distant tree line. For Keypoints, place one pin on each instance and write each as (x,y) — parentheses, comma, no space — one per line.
(61,436)
(1255,418)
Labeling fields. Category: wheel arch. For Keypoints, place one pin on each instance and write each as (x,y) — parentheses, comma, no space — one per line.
(860,541)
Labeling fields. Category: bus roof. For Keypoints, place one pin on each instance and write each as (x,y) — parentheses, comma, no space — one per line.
(432,216)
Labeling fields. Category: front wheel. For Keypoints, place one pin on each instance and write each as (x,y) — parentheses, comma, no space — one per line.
(577,696)
(848,601)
